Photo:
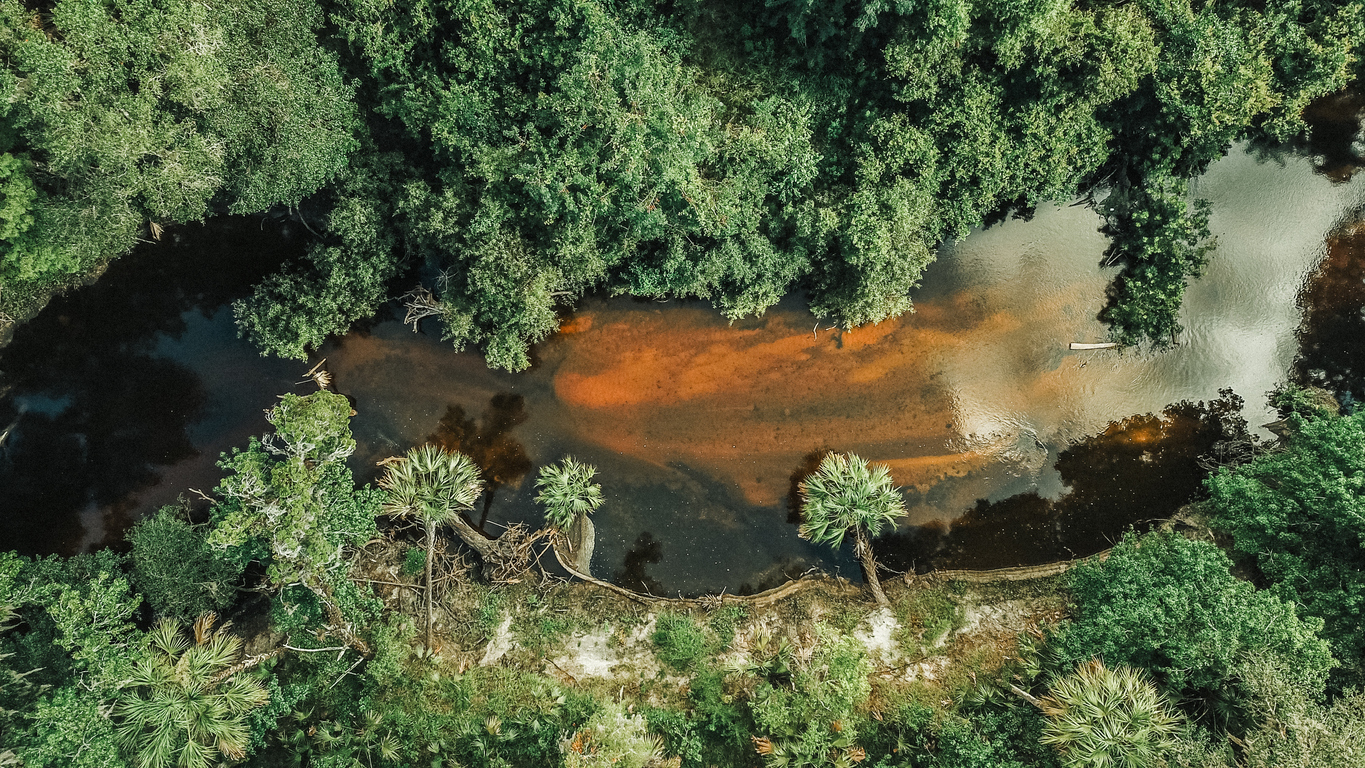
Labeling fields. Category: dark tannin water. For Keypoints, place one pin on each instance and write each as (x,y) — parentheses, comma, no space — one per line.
(1012,449)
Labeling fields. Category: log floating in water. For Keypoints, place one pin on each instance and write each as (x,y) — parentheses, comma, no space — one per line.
(1105,345)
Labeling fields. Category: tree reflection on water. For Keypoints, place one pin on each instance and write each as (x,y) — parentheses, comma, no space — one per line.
(98,411)
(500,457)
(1139,471)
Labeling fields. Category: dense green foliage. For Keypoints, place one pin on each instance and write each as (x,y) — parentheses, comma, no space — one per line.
(122,113)
(176,710)
(289,502)
(515,156)
(737,152)
(174,568)
(1172,606)
(338,679)
(1300,513)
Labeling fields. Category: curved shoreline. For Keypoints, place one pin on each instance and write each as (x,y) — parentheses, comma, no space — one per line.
(769,596)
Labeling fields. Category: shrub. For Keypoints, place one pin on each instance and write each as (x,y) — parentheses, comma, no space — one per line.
(1301,514)
(414,560)
(678,641)
(612,739)
(1107,717)
(176,571)
(1172,606)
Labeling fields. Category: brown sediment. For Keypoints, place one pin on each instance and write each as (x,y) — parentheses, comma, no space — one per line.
(744,404)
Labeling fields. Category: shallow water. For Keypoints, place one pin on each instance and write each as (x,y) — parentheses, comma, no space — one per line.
(122,398)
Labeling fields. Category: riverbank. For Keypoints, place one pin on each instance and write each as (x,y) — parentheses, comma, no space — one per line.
(683,667)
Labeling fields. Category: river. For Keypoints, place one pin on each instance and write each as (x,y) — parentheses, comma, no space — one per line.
(1012,449)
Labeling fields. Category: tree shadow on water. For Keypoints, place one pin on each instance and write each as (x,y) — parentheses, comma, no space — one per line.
(1139,471)
(93,407)
(809,463)
(489,442)
(647,550)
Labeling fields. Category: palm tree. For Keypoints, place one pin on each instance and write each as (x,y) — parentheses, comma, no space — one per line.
(845,494)
(434,485)
(1100,717)
(185,704)
(567,491)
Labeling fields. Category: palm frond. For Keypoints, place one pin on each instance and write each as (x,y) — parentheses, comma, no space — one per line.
(432,484)
(846,492)
(567,491)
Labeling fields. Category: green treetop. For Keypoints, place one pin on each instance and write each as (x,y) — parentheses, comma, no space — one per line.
(567,491)
(435,486)
(846,494)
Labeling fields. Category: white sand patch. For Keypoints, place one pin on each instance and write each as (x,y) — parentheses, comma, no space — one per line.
(605,653)
(876,636)
(1009,616)
(500,644)
(928,670)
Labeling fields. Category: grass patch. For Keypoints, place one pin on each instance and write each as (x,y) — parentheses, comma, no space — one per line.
(414,562)
(925,615)
(678,641)
(725,622)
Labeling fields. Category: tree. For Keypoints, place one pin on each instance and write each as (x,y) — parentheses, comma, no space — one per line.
(434,486)
(347,270)
(121,113)
(1300,513)
(289,501)
(1293,728)
(187,704)
(845,494)
(174,568)
(567,491)
(65,659)
(1171,606)
(1107,717)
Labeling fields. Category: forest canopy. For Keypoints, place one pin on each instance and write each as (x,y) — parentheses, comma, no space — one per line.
(512,157)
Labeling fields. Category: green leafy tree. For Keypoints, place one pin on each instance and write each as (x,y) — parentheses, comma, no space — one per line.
(186,705)
(846,494)
(289,500)
(1300,513)
(1292,727)
(1172,606)
(129,112)
(70,729)
(567,491)
(175,570)
(434,486)
(1099,716)
(64,655)
(347,270)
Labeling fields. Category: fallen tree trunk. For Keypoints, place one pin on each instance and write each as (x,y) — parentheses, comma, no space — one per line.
(505,558)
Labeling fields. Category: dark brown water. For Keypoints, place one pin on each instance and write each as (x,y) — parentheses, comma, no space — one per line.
(1011,448)
(122,394)
(1332,352)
